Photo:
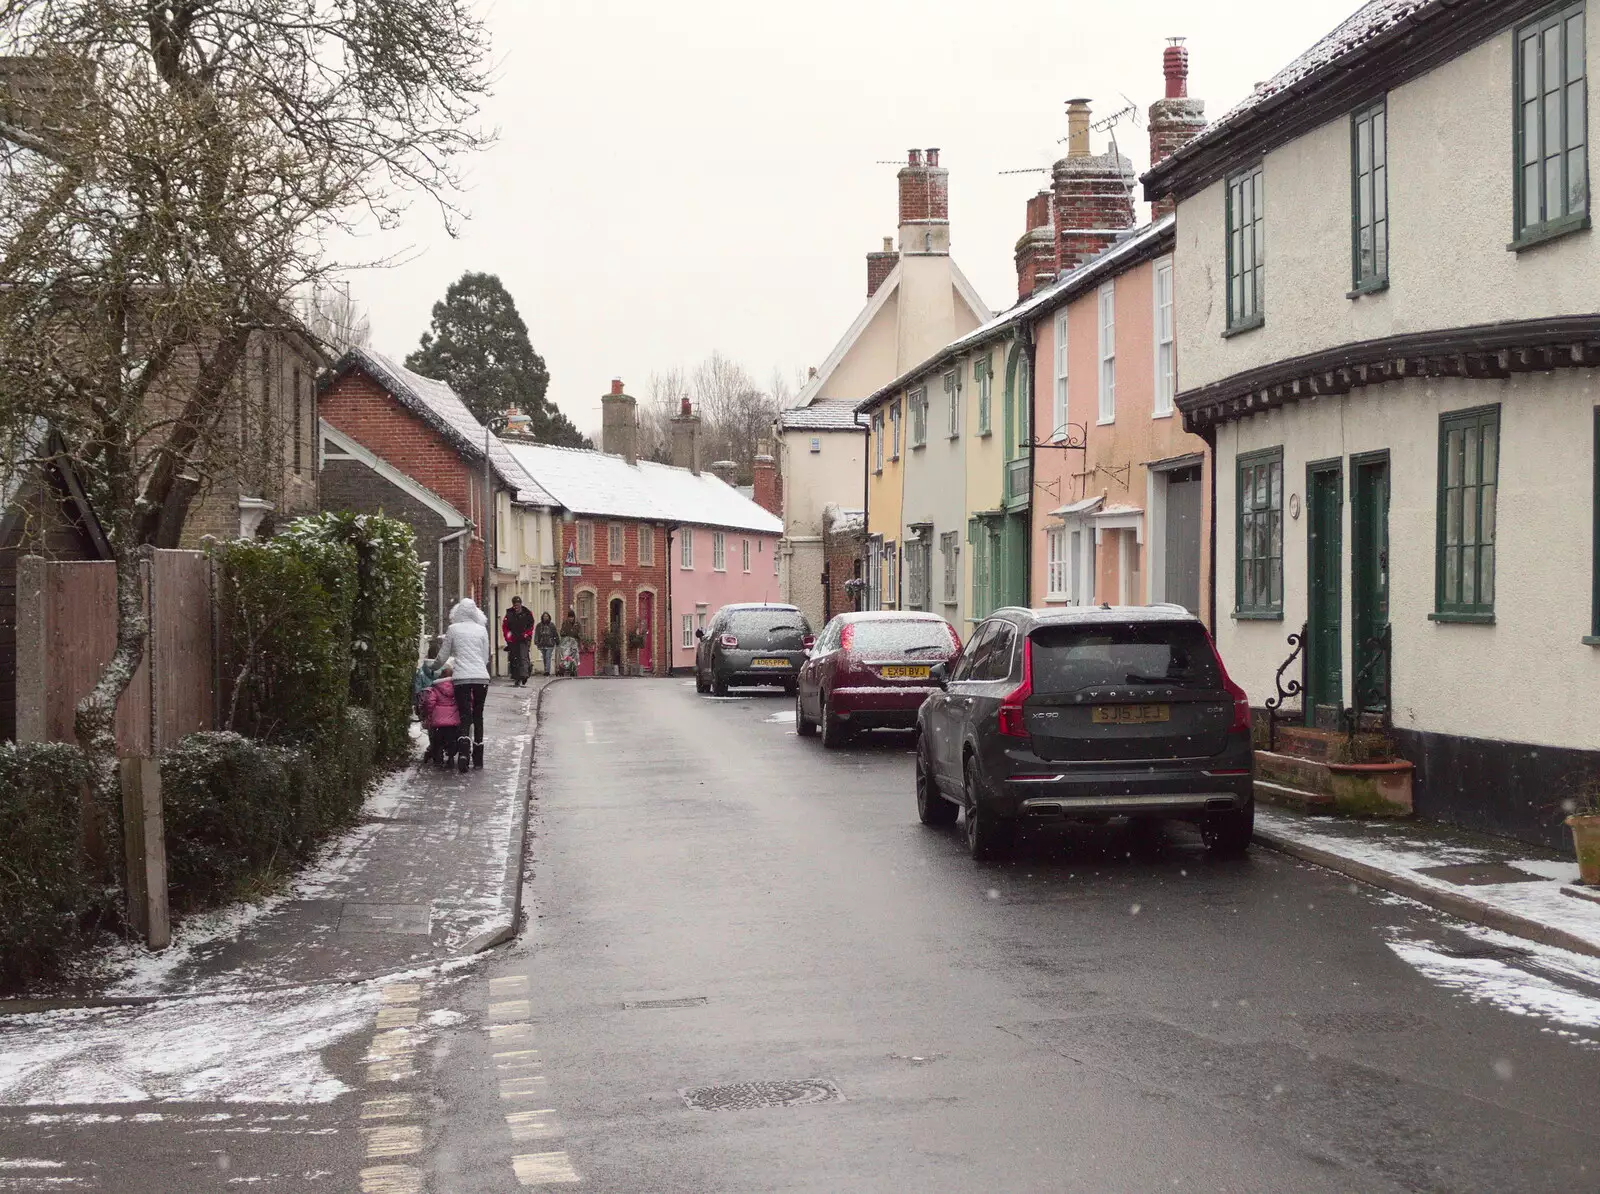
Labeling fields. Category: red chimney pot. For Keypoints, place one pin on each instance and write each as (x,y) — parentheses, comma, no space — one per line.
(616,385)
(914,157)
(1175,61)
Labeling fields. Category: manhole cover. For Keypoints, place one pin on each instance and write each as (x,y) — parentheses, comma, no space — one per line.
(386,918)
(1479,874)
(645,1004)
(749,1096)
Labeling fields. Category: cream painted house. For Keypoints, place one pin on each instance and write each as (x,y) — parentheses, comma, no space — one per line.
(918,300)
(1401,395)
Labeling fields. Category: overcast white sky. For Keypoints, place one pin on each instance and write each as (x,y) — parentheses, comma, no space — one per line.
(676,178)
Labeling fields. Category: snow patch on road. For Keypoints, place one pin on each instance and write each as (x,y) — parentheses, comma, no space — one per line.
(1502,984)
(260,1049)
(782,717)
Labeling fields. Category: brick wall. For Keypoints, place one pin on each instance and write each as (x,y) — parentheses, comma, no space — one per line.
(366,412)
(843,552)
(1092,202)
(768,485)
(626,580)
(880,266)
(924,188)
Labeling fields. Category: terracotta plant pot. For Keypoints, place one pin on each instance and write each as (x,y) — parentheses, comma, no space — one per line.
(1586,840)
(1372,789)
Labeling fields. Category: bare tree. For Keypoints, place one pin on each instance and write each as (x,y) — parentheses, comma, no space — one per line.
(169,173)
(334,317)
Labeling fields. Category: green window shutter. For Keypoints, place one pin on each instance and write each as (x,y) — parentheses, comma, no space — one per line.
(1258,534)
(1550,126)
(1594,628)
(1469,469)
(1369,200)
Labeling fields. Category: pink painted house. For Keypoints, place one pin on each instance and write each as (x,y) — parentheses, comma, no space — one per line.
(655,549)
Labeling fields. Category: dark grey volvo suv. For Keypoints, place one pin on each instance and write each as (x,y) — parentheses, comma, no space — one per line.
(1085,714)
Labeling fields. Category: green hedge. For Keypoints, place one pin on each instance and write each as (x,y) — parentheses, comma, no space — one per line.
(59,860)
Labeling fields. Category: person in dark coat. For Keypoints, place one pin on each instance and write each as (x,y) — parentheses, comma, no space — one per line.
(517,629)
(546,638)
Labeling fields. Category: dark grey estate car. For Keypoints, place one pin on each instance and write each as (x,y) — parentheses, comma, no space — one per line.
(751,644)
(1086,714)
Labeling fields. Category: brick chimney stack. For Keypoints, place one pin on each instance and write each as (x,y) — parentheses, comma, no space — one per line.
(1175,120)
(1093,197)
(686,438)
(725,470)
(881,265)
(768,486)
(619,424)
(1036,250)
(924,205)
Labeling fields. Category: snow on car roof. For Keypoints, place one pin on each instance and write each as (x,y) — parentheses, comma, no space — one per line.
(891,615)
(1055,615)
(589,482)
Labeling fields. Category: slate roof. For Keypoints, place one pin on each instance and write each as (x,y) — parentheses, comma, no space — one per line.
(593,483)
(825,414)
(439,407)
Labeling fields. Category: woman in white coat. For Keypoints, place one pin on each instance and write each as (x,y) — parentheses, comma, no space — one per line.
(466,646)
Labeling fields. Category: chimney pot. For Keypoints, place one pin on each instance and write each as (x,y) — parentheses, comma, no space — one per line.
(616,385)
(914,157)
(811,371)
(1175,62)
(888,247)
(683,409)
(1077,128)
(619,425)
(933,157)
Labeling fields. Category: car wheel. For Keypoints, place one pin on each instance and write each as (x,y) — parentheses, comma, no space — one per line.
(719,686)
(1227,835)
(989,839)
(834,735)
(700,684)
(803,725)
(932,807)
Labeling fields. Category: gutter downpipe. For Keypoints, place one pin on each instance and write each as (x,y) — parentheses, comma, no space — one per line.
(1031,348)
(454,535)
(866,518)
(669,528)
(1209,435)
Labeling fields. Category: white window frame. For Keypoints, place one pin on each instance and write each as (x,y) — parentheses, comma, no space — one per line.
(616,544)
(1058,417)
(952,394)
(744,548)
(1056,552)
(585,547)
(1166,390)
(950,552)
(645,546)
(877,441)
(1108,352)
(687,642)
(918,431)
(686,550)
(894,431)
(891,576)
(719,551)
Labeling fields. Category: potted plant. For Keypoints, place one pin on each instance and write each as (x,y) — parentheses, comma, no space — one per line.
(612,643)
(635,645)
(1368,779)
(1584,821)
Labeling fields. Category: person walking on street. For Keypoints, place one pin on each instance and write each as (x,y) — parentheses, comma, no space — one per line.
(546,638)
(466,646)
(571,642)
(441,717)
(517,629)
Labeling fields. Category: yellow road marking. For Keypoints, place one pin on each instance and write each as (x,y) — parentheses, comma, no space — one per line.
(387,1108)
(509,1009)
(393,1069)
(532,1125)
(544,1169)
(512,986)
(510,1034)
(398,1141)
(391,1179)
(402,993)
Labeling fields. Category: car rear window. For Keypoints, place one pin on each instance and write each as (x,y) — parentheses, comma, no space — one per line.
(1069,658)
(910,637)
(767,621)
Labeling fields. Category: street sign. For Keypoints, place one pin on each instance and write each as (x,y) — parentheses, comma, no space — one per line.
(571,570)
(572,556)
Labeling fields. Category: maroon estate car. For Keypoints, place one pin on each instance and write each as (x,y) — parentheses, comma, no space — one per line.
(870,670)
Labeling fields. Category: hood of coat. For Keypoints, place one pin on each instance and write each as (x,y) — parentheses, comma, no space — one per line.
(466,610)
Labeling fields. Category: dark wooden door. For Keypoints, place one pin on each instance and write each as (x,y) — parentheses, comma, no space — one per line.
(1184,527)
(1369,581)
(1324,592)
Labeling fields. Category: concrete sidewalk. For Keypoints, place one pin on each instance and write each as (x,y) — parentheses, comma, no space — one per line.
(432,872)
(1505,885)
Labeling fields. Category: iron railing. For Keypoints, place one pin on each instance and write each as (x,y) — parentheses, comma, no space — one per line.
(1371,690)
(1296,687)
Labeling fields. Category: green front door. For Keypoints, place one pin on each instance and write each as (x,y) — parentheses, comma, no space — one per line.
(1369,580)
(1324,551)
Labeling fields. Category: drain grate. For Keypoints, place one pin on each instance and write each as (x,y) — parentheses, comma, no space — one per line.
(750,1096)
(692,1001)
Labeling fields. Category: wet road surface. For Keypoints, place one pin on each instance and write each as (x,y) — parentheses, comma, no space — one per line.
(718,903)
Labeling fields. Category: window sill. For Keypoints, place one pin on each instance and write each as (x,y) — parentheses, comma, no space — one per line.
(1247,325)
(878,472)
(1591,640)
(1163,414)
(1377,286)
(1546,233)
(1105,422)
(919,447)
(985,434)
(1258,615)
(1464,618)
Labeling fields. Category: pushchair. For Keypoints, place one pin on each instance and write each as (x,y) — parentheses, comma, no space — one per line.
(567,658)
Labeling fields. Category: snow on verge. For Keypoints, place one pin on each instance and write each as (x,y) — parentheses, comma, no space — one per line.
(257,1049)
(1489,980)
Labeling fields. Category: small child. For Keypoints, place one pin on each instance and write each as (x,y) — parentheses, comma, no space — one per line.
(420,680)
(440,718)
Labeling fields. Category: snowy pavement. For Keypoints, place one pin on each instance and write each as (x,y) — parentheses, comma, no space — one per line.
(1522,891)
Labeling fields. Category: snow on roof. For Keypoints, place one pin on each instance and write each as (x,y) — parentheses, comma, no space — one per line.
(825,414)
(840,519)
(1370,21)
(1087,274)
(589,482)
(442,409)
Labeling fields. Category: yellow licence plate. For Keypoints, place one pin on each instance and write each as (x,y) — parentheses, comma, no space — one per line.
(1130,715)
(904,672)
(769,663)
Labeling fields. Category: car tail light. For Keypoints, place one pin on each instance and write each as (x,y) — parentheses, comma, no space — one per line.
(1242,720)
(1011,708)
(809,641)
(847,637)
(730,640)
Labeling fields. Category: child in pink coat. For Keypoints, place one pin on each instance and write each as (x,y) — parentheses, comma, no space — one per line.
(440,718)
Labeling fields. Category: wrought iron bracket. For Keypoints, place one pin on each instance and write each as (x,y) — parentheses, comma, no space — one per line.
(1076,440)
(1294,688)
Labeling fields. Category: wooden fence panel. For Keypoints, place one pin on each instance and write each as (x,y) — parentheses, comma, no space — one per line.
(183,677)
